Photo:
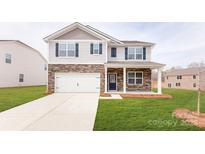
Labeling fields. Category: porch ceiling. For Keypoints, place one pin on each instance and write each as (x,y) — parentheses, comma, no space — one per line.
(135,64)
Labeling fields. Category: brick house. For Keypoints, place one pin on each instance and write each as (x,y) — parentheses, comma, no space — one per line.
(189,78)
(84,59)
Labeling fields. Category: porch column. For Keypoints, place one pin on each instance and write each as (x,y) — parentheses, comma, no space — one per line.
(105,79)
(159,81)
(124,79)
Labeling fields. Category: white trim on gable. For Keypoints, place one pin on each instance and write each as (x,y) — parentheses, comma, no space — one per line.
(101,41)
(72,27)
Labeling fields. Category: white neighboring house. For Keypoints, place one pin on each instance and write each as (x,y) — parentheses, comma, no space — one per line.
(21,65)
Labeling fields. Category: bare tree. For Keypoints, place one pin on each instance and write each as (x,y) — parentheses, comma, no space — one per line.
(193,65)
(196,64)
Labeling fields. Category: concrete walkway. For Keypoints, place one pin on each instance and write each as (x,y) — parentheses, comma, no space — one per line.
(56,112)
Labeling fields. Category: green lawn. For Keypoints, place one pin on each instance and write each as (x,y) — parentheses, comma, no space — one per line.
(147,114)
(12,97)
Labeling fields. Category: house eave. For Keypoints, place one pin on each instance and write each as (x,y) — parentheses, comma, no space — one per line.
(137,64)
(71,27)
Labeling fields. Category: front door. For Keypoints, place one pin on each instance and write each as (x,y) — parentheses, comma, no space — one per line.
(112,81)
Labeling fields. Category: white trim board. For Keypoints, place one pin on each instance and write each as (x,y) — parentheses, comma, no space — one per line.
(100,41)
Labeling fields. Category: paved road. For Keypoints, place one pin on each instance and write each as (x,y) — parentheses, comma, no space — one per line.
(56,112)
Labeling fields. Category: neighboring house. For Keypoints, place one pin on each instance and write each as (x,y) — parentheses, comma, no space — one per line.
(185,78)
(21,65)
(84,59)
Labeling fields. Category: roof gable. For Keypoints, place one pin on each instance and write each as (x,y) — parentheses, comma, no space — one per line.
(186,71)
(77,34)
(73,27)
(25,46)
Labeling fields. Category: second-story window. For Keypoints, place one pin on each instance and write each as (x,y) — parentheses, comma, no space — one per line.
(113,52)
(179,77)
(96,48)
(194,76)
(71,50)
(66,50)
(135,53)
(8,58)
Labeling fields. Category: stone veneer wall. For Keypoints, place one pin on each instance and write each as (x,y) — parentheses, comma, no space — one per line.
(77,68)
(146,79)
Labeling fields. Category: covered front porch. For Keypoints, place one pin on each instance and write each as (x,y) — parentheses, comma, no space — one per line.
(131,77)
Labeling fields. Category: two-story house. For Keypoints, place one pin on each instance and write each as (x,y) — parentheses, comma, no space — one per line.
(84,59)
(21,65)
(188,78)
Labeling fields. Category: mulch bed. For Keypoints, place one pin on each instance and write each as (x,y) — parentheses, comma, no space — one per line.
(105,95)
(191,117)
(163,96)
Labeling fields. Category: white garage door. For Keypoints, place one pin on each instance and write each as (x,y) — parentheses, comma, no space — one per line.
(77,82)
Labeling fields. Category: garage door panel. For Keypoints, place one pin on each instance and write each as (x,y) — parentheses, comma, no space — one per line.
(77,82)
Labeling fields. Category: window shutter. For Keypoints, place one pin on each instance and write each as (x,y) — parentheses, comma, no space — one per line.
(77,50)
(57,46)
(126,53)
(144,53)
(100,48)
(91,48)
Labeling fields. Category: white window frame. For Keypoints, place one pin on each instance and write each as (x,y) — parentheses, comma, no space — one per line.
(112,51)
(66,50)
(135,77)
(135,53)
(178,84)
(98,48)
(179,77)
(8,56)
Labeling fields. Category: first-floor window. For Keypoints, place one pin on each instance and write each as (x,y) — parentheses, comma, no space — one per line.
(45,67)
(194,84)
(178,84)
(131,78)
(135,78)
(66,49)
(169,85)
(21,77)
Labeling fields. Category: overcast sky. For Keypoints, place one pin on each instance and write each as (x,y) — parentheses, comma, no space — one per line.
(177,44)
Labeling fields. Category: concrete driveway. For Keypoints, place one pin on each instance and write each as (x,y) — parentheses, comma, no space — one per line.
(56,112)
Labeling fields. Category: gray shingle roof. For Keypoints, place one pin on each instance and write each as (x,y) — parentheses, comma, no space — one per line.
(186,71)
(136,64)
